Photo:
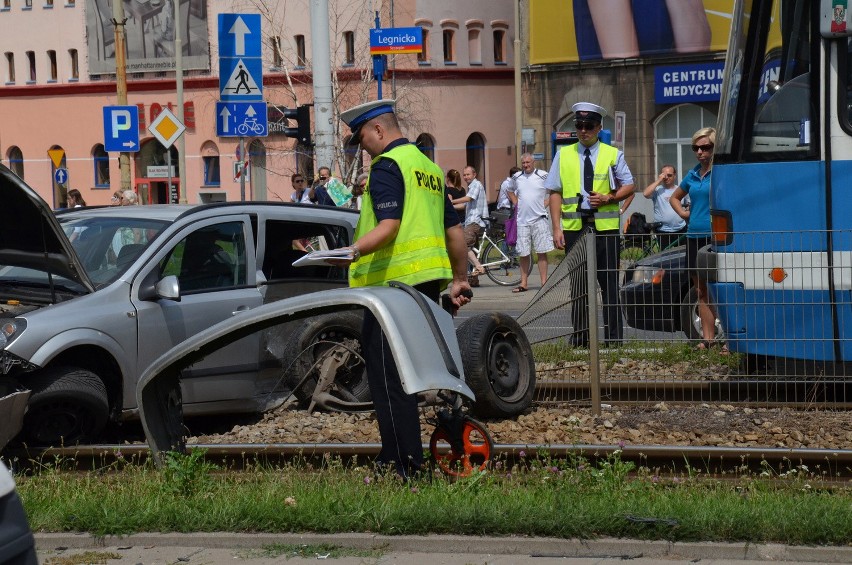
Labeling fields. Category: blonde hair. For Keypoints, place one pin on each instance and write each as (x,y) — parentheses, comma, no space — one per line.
(709,133)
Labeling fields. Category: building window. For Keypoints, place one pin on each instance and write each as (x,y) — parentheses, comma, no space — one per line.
(210,159)
(10,67)
(101,160)
(300,51)
(48,3)
(75,64)
(51,63)
(423,56)
(7,4)
(349,45)
(475,153)
(673,135)
(449,49)
(499,46)
(474,47)
(16,161)
(70,2)
(28,4)
(275,46)
(32,62)
(426,145)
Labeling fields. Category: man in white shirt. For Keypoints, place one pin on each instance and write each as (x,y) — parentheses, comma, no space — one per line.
(534,230)
(475,213)
(660,191)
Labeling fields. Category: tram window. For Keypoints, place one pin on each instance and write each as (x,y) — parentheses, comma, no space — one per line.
(784,114)
(849,81)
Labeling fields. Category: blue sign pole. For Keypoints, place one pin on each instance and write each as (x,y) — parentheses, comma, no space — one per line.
(378,62)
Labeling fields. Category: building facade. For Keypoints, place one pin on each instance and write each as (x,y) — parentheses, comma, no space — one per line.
(58,74)
(659,70)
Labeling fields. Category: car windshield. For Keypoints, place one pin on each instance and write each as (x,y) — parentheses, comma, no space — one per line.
(107,246)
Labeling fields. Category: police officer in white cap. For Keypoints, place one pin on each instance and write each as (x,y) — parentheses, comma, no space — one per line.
(587,180)
(406,220)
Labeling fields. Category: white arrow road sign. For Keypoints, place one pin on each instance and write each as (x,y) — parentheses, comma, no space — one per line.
(239,30)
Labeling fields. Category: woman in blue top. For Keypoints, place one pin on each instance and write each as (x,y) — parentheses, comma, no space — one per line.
(697,185)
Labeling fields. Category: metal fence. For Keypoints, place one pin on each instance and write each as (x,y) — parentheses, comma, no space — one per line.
(782,324)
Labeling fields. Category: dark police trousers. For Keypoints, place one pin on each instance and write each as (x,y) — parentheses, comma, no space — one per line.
(396,411)
(606,252)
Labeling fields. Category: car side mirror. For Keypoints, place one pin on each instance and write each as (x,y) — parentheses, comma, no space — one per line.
(167,288)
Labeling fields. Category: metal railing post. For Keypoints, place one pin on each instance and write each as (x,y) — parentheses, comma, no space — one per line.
(594,342)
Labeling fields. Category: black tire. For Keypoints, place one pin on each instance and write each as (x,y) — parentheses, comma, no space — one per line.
(690,322)
(309,339)
(498,364)
(507,273)
(67,406)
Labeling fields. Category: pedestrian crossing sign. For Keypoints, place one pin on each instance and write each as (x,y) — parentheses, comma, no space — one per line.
(240,79)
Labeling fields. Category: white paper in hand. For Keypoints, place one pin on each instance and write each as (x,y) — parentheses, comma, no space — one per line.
(322,257)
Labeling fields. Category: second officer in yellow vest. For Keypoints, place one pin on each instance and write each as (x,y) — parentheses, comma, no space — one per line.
(587,180)
(408,231)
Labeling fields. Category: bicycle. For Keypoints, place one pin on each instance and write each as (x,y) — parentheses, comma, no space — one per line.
(493,255)
(250,125)
(647,243)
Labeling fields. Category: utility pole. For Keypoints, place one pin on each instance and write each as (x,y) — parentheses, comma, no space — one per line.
(321,64)
(118,20)
(519,118)
(181,142)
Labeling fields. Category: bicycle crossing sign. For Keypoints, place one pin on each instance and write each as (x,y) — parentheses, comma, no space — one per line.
(236,119)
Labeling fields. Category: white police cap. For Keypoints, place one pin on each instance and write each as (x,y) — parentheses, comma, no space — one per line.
(363,113)
(588,111)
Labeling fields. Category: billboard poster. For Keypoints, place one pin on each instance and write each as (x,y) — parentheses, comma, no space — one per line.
(566,31)
(149,30)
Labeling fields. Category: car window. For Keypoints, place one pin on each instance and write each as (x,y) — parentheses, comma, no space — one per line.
(210,258)
(107,246)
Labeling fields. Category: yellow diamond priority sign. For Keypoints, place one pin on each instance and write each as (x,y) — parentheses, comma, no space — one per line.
(166,128)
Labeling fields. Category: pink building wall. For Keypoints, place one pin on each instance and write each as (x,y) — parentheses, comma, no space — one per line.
(453,100)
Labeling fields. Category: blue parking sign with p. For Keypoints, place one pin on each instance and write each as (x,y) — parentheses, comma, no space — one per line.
(121,128)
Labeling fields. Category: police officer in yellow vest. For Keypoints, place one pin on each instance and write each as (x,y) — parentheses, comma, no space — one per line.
(408,232)
(587,180)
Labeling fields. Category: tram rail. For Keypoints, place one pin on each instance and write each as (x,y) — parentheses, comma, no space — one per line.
(835,464)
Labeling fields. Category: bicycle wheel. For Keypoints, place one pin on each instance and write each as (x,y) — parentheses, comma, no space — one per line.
(499,266)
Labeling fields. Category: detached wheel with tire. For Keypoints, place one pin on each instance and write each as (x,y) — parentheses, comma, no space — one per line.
(690,321)
(498,364)
(314,336)
(67,406)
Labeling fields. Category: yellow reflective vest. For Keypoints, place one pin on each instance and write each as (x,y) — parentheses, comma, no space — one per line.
(606,217)
(419,252)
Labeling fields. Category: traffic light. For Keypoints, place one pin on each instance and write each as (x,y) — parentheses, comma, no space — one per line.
(302,115)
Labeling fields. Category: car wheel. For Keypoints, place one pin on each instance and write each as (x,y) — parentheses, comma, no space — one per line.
(690,321)
(498,364)
(67,406)
(313,337)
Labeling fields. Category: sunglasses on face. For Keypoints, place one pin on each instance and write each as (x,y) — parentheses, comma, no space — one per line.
(588,126)
(299,180)
(706,148)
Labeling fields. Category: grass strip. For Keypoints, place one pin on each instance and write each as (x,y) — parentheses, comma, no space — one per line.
(539,496)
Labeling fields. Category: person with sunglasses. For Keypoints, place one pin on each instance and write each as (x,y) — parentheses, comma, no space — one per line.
(660,192)
(587,180)
(358,190)
(300,192)
(696,184)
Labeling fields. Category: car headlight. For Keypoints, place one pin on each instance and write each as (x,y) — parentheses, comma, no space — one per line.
(9,330)
(645,274)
